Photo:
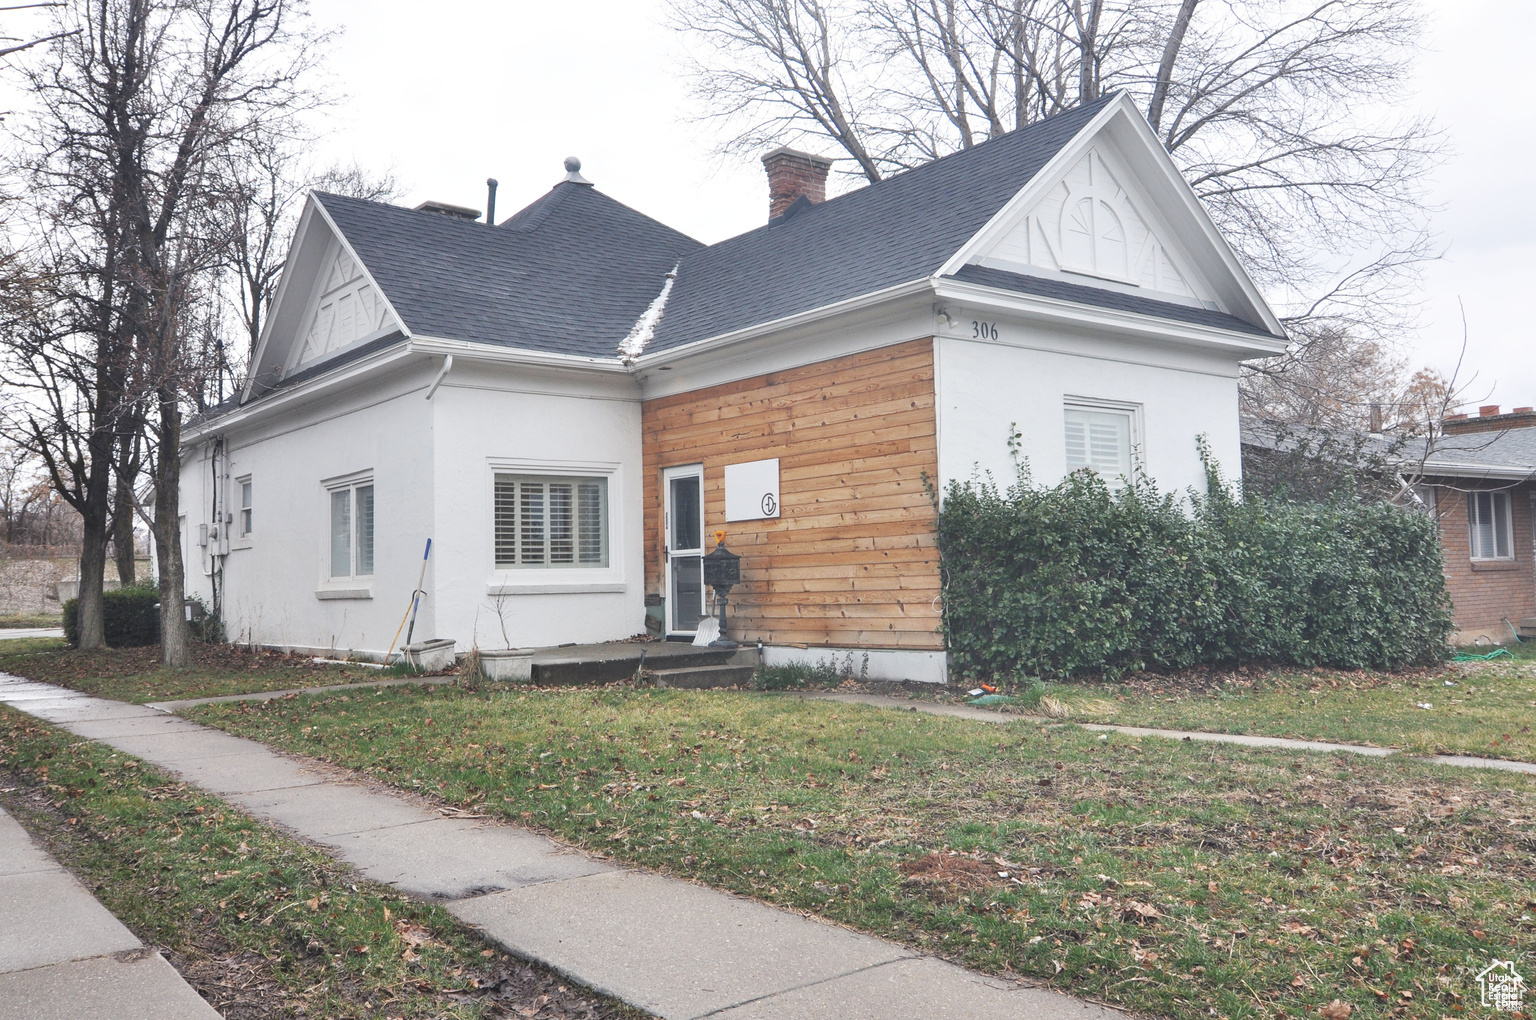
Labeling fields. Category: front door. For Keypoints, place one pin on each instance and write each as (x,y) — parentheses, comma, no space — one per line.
(684,525)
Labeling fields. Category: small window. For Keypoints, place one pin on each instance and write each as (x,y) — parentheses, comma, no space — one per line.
(1488,519)
(551,522)
(1101,439)
(245,506)
(352,531)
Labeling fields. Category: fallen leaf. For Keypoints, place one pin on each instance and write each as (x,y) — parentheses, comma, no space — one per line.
(1336,1010)
(1139,912)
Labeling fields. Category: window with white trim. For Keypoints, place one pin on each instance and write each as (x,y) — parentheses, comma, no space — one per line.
(1102,438)
(352,530)
(245,506)
(544,521)
(1488,519)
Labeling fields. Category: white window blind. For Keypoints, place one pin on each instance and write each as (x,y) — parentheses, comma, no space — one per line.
(352,531)
(1488,518)
(1099,440)
(551,522)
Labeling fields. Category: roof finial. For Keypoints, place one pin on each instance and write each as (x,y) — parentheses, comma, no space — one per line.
(573,172)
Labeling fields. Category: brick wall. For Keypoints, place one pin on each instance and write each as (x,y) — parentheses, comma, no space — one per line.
(1486,592)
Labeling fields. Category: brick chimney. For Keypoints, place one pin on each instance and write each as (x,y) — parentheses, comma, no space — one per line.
(793,175)
(1489,419)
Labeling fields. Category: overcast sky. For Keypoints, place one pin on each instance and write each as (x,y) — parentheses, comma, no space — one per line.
(449,94)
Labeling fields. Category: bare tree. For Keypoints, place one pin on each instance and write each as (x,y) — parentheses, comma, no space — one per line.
(1281,113)
(262,212)
(145,105)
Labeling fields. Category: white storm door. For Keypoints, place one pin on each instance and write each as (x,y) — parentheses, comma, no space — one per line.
(684,555)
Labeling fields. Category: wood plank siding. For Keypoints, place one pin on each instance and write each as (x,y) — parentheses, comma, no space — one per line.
(851,561)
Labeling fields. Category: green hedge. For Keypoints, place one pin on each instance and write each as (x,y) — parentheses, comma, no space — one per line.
(131,617)
(1078,579)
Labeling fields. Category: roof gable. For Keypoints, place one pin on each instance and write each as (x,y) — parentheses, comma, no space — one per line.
(1112,213)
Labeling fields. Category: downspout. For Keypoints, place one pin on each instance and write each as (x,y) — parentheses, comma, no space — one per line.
(441,375)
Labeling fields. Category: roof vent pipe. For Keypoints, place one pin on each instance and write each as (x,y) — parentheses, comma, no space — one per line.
(490,201)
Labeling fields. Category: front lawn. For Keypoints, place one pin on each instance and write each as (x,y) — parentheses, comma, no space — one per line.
(136,675)
(1178,879)
(262,925)
(1483,709)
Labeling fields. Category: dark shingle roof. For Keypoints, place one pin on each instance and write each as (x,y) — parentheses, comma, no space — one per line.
(1469,455)
(570,274)
(1102,298)
(901,229)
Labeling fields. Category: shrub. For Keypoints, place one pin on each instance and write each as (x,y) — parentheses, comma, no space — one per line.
(132,617)
(1075,578)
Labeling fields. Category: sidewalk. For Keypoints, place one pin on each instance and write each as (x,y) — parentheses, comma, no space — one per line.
(1242,739)
(64,957)
(671,947)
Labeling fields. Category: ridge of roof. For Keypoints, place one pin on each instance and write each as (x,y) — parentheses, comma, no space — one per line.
(896,230)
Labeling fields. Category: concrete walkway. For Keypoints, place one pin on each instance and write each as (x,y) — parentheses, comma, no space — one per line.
(671,947)
(64,957)
(1244,740)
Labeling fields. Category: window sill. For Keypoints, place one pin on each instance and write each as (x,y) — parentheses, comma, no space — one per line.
(343,593)
(589,588)
(1494,565)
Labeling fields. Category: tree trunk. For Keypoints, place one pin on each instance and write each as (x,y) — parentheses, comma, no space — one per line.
(122,533)
(175,636)
(91,619)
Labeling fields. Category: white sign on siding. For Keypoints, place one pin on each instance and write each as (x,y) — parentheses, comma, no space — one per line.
(752,490)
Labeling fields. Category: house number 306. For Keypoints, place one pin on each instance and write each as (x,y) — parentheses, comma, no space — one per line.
(983,330)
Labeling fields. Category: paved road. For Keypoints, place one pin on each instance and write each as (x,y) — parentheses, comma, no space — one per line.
(11,633)
(671,947)
(64,957)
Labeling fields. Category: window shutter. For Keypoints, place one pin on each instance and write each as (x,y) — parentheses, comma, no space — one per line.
(506,522)
(1100,441)
(562,524)
(589,499)
(531,532)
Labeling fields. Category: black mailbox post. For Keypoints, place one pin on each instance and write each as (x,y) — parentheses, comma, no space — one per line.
(722,572)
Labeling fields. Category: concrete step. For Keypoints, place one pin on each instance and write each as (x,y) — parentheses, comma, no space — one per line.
(620,662)
(701,677)
(1527,627)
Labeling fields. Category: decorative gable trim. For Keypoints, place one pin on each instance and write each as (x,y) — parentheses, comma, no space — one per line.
(317,243)
(1179,239)
(345,308)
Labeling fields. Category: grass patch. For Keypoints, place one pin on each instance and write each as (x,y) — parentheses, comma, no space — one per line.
(136,675)
(1486,709)
(1167,877)
(261,924)
(25,621)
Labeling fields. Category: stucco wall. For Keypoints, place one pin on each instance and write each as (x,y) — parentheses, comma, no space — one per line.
(271,581)
(527,421)
(983,387)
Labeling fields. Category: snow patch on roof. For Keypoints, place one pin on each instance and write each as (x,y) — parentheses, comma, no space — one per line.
(644,329)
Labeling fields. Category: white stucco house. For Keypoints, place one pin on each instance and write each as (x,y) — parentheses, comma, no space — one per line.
(571,403)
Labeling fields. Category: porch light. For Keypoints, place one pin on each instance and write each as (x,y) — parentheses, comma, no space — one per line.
(722,572)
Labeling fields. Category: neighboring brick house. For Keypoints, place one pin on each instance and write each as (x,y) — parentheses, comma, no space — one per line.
(1479,479)
(1482,476)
